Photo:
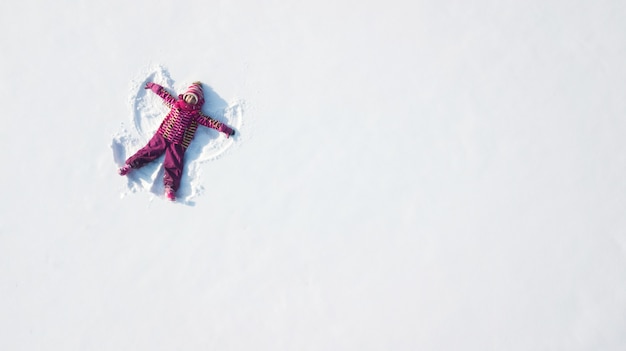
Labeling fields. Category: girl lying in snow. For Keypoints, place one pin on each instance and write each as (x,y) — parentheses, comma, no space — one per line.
(175,134)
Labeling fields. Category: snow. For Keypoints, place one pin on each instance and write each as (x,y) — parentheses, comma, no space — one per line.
(430,175)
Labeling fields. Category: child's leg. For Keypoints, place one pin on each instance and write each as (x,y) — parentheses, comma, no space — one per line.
(155,148)
(173,166)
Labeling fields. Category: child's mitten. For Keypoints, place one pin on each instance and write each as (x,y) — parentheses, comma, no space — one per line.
(227,130)
(154,87)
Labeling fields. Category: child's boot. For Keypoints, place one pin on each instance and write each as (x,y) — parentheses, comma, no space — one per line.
(170,194)
(124,169)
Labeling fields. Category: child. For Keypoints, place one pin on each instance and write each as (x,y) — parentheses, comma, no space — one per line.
(175,134)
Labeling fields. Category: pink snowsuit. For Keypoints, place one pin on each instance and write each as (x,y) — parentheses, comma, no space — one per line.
(175,134)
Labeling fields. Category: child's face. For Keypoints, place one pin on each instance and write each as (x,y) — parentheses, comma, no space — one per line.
(190,99)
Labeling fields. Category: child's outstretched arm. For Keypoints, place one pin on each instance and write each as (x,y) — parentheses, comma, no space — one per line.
(215,124)
(162,93)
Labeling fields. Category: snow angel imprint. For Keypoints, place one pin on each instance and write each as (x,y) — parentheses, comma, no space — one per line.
(175,134)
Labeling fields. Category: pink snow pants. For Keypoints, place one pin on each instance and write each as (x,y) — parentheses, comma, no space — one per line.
(173,163)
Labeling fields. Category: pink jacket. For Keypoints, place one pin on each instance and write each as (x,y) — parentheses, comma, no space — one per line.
(181,123)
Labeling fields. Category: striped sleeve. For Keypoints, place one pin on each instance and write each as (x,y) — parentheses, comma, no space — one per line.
(208,121)
(168,99)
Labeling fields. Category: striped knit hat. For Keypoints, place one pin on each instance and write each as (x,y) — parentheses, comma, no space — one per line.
(196,89)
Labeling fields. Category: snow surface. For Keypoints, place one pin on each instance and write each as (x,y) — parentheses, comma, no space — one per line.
(407,175)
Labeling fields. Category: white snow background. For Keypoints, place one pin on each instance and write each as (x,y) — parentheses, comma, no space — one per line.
(407,175)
